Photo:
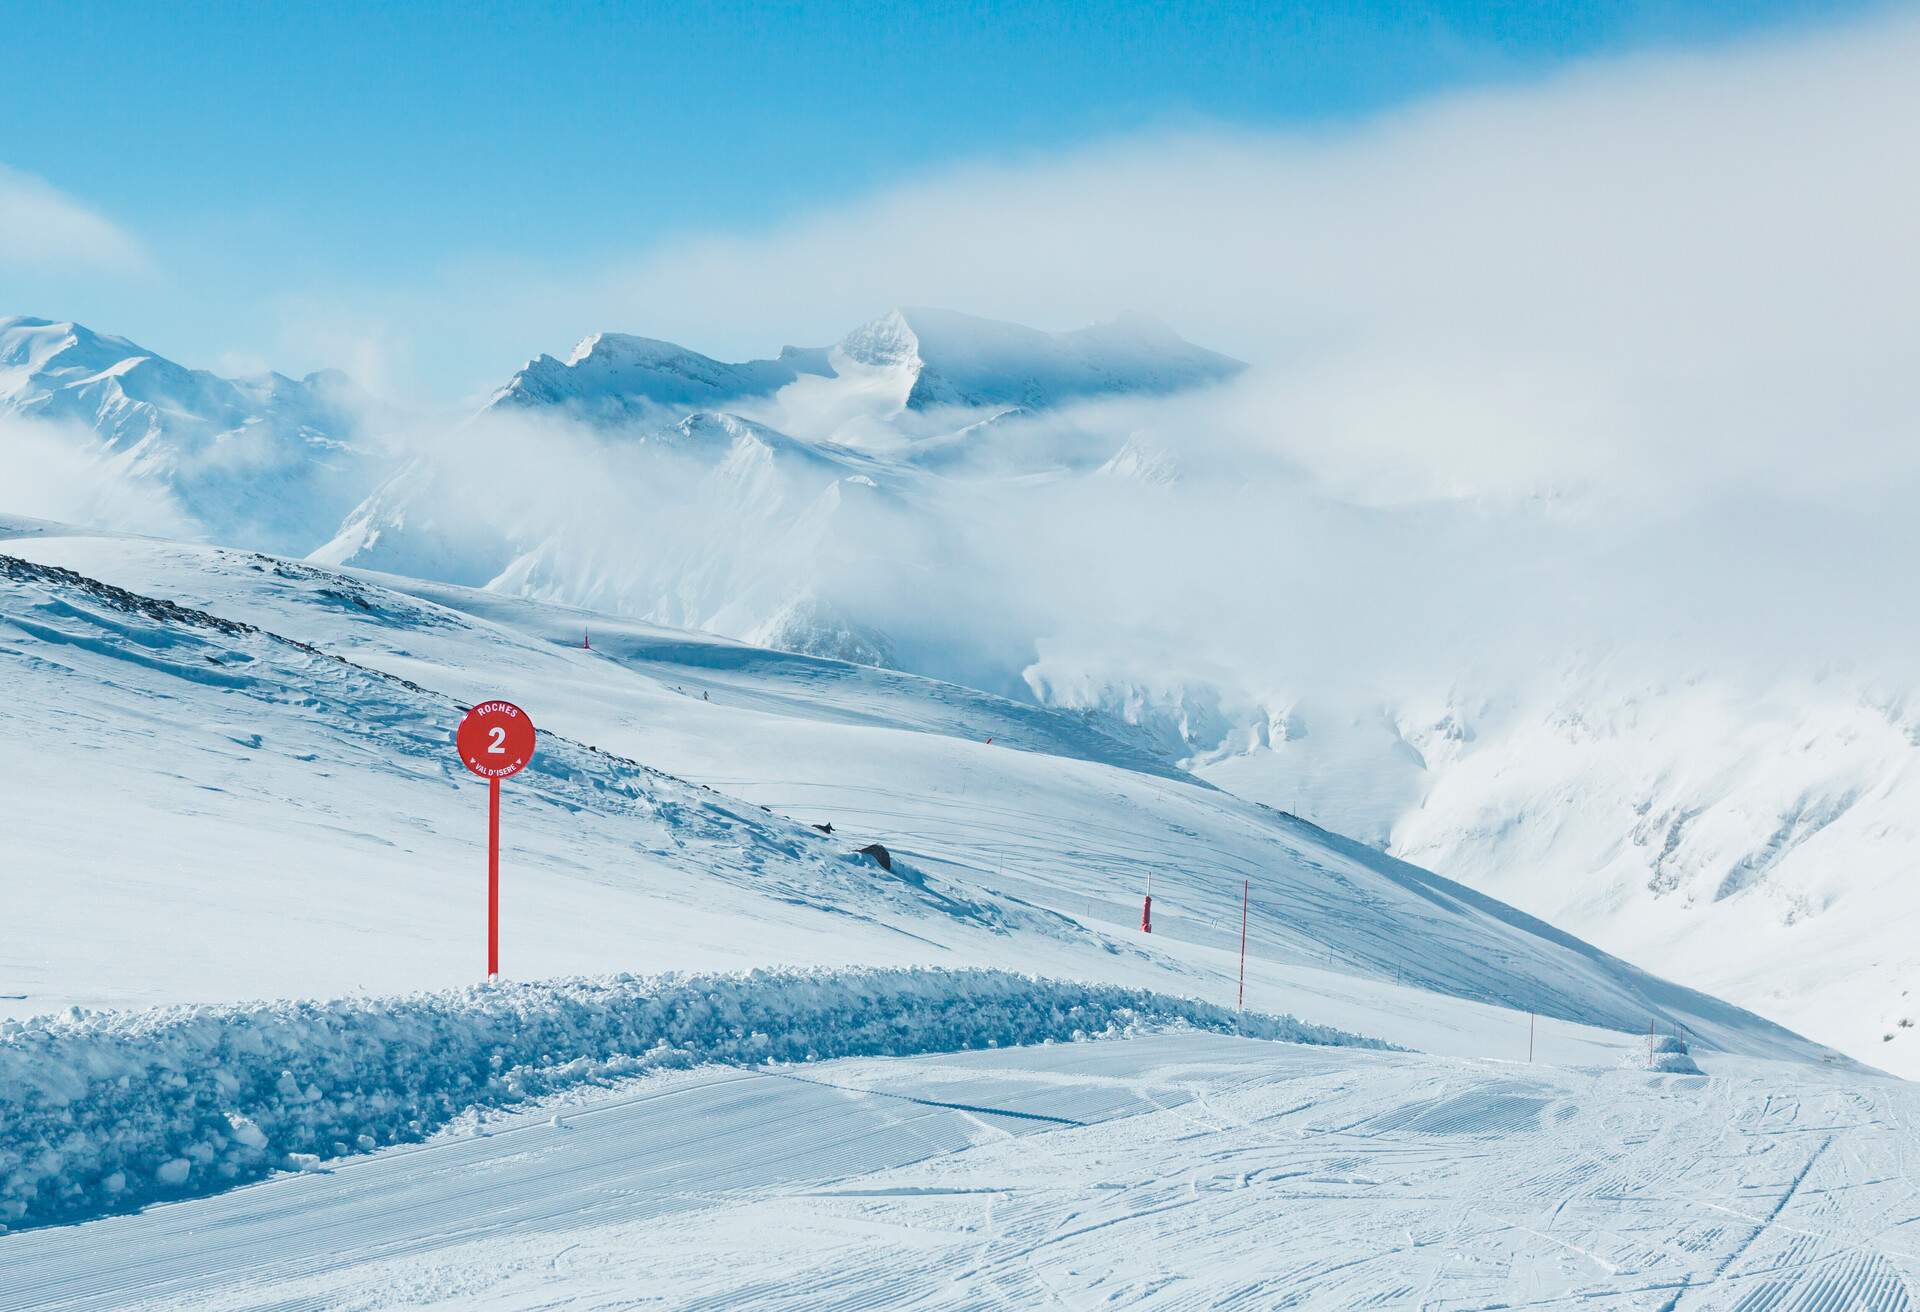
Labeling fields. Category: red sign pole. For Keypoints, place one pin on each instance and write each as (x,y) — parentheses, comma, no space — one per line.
(493,878)
(495,741)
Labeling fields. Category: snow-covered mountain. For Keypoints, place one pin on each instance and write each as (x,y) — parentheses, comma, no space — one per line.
(752,529)
(712,522)
(950,359)
(267,461)
(614,378)
(912,358)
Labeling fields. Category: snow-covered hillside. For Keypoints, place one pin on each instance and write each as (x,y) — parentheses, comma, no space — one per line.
(233,779)
(267,461)
(1758,841)
(309,786)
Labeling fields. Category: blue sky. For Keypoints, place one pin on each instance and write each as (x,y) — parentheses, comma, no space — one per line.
(258,153)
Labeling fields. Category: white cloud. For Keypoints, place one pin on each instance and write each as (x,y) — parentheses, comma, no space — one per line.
(1686,267)
(1654,317)
(42,228)
(1656,271)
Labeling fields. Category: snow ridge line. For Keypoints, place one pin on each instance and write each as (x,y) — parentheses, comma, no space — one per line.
(705,830)
(170,612)
(102,1112)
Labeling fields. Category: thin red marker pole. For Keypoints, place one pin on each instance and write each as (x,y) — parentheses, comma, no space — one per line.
(1246,888)
(495,740)
(493,878)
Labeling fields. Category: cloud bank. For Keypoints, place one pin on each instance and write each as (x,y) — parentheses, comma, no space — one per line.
(1655,273)
(1627,353)
(41,227)
(62,473)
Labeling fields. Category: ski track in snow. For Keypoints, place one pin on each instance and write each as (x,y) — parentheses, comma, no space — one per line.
(1199,1171)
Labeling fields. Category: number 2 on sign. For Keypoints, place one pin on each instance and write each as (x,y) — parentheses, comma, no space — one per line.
(498,745)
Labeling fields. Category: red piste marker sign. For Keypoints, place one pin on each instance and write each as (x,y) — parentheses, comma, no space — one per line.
(495,741)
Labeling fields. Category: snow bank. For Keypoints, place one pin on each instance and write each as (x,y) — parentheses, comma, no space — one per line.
(1665,1053)
(102,1112)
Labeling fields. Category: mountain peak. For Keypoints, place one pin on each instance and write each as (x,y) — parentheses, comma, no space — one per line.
(614,351)
(943,357)
(266,461)
(31,347)
(616,377)
(961,359)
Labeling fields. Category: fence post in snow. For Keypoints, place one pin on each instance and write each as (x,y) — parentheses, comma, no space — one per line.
(1246,888)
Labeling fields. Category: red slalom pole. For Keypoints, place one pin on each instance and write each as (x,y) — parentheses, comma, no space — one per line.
(1146,915)
(1246,888)
(493,878)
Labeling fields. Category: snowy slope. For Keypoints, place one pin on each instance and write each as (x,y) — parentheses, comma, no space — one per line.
(1756,841)
(269,461)
(1162,1171)
(233,780)
(270,780)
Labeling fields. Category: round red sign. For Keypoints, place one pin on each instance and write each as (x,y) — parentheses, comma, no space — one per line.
(495,740)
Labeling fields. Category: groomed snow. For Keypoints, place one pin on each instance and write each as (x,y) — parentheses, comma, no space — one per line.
(1174,1171)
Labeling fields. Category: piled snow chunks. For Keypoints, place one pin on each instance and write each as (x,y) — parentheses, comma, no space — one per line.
(102,1112)
(1665,1053)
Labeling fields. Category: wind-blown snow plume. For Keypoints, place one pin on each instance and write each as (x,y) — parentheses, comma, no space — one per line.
(60,472)
(264,461)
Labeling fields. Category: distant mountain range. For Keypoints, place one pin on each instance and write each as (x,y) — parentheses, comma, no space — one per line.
(268,461)
(915,359)
(780,477)
(299,465)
